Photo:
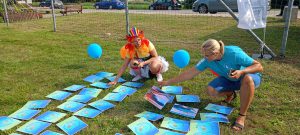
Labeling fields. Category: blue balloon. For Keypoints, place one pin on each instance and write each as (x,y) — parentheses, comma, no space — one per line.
(181,58)
(94,51)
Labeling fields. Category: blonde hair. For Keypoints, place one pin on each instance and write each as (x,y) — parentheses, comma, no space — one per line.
(212,45)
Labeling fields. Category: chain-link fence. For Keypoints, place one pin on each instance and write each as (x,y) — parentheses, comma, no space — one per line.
(161,20)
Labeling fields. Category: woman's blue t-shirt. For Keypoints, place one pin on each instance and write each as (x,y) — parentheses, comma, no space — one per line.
(234,58)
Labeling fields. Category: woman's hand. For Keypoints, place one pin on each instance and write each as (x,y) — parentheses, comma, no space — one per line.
(163,83)
(112,83)
(236,74)
(141,64)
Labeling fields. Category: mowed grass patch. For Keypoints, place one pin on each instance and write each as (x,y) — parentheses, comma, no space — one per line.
(34,62)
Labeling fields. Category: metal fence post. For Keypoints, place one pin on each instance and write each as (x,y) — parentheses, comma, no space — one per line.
(6,14)
(249,31)
(127,17)
(53,16)
(286,28)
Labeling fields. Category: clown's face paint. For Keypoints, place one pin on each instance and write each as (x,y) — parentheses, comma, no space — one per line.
(137,42)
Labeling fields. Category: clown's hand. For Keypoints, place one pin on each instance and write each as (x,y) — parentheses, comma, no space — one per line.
(141,64)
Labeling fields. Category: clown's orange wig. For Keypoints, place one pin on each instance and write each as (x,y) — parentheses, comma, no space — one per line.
(129,48)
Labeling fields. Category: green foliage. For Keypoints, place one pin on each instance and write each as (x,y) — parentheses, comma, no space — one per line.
(138,5)
(188,4)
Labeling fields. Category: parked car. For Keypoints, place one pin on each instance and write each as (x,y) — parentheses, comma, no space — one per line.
(57,4)
(214,6)
(165,5)
(110,4)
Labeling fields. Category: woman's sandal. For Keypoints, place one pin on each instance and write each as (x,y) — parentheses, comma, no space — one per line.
(238,125)
(228,102)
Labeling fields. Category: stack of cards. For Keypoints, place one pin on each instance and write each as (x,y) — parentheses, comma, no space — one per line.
(112,78)
(118,97)
(213,117)
(90,92)
(219,109)
(157,97)
(88,113)
(167,132)
(149,116)
(8,123)
(72,125)
(24,114)
(102,105)
(133,84)
(51,116)
(198,127)
(33,127)
(172,89)
(176,124)
(143,127)
(101,85)
(125,90)
(104,74)
(188,98)
(93,78)
(71,106)
(37,104)
(184,110)
(59,95)
(74,87)
(81,98)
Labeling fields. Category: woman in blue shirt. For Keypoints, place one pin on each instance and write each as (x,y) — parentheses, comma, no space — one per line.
(236,71)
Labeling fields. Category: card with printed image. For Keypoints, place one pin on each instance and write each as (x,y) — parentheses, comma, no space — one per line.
(93,78)
(175,124)
(219,108)
(143,127)
(71,106)
(125,90)
(74,87)
(101,85)
(24,114)
(112,78)
(33,127)
(198,127)
(48,132)
(149,116)
(72,125)
(133,84)
(172,89)
(184,110)
(167,132)
(81,98)
(93,92)
(59,95)
(88,113)
(188,98)
(8,123)
(35,104)
(157,97)
(102,105)
(51,116)
(214,117)
(118,97)
(104,74)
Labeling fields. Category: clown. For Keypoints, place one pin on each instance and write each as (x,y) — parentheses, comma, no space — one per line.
(141,56)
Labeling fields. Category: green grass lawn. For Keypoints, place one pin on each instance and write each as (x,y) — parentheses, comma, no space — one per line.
(34,62)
